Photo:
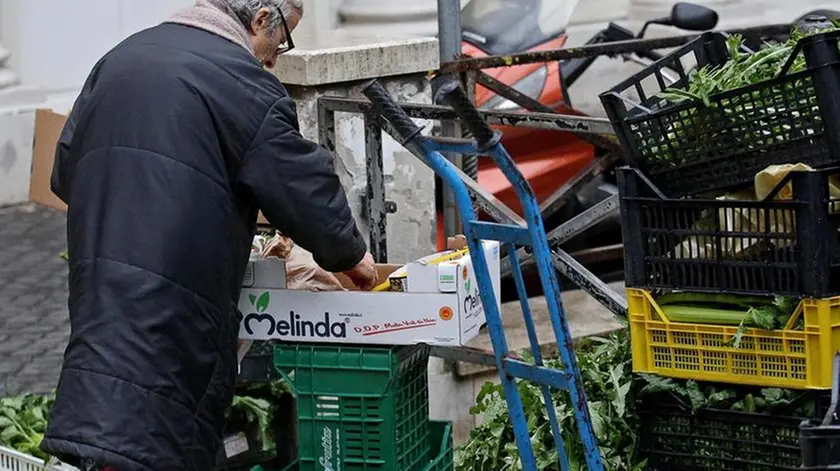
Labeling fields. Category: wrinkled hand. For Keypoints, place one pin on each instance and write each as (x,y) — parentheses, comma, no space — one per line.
(364,274)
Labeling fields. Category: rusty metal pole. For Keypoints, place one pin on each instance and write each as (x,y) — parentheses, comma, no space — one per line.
(449,37)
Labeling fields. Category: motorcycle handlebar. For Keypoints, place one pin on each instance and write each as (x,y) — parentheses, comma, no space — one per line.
(391,111)
(450,92)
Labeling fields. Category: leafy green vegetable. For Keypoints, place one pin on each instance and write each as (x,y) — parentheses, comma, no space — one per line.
(256,406)
(700,314)
(613,393)
(688,297)
(764,317)
(761,312)
(742,69)
(23,420)
(768,317)
(259,412)
(605,366)
(755,117)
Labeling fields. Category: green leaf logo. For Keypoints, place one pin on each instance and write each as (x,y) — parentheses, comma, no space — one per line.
(262,303)
(253,299)
(469,282)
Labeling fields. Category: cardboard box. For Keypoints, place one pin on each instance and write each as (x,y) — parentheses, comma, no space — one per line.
(48,126)
(424,281)
(387,318)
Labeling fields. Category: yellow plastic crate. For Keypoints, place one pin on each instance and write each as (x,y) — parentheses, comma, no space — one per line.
(795,359)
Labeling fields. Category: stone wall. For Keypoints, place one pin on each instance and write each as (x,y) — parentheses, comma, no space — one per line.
(336,63)
(408,182)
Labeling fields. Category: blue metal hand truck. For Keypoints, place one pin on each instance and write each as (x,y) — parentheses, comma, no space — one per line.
(530,235)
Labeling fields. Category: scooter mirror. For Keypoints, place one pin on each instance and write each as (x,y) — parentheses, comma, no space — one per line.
(688,16)
(692,17)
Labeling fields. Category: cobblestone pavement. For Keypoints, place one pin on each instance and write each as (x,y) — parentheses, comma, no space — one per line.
(34,325)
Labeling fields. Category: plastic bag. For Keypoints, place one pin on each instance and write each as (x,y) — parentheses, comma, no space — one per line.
(752,220)
(302,273)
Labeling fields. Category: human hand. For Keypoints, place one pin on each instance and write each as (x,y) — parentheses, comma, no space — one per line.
(364,274)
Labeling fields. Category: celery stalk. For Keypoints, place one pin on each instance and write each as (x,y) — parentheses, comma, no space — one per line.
(685,297)
(703,315)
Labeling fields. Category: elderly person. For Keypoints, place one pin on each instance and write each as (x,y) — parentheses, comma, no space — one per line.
(177,139)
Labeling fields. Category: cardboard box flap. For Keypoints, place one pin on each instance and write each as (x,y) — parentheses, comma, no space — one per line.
(48,126)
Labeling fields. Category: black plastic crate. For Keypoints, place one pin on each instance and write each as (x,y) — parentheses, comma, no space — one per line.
(820,446)
(257,366)
(674,438)
(690,148)
(789,247)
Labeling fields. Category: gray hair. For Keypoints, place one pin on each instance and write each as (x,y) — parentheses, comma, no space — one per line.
(244,10)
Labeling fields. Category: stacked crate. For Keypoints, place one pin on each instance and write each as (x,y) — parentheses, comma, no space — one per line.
(678,235)
(363,408)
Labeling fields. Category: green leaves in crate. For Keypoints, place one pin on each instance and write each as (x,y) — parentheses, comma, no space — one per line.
(257,412)
(23,420)
(742,69)
(256,406)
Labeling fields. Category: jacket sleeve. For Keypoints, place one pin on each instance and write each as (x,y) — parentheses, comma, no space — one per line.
(58,179)
(295,185)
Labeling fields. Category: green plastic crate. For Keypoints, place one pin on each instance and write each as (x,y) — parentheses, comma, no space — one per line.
(359,408)
(442,449)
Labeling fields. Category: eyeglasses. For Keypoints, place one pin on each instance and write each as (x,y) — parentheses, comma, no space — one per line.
(290,43)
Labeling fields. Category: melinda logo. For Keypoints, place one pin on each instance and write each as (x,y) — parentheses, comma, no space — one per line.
(472,300)
(260,304)
(294,326)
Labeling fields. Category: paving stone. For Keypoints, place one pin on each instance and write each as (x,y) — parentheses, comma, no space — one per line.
(33,298)
(38,383)
(8,367)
